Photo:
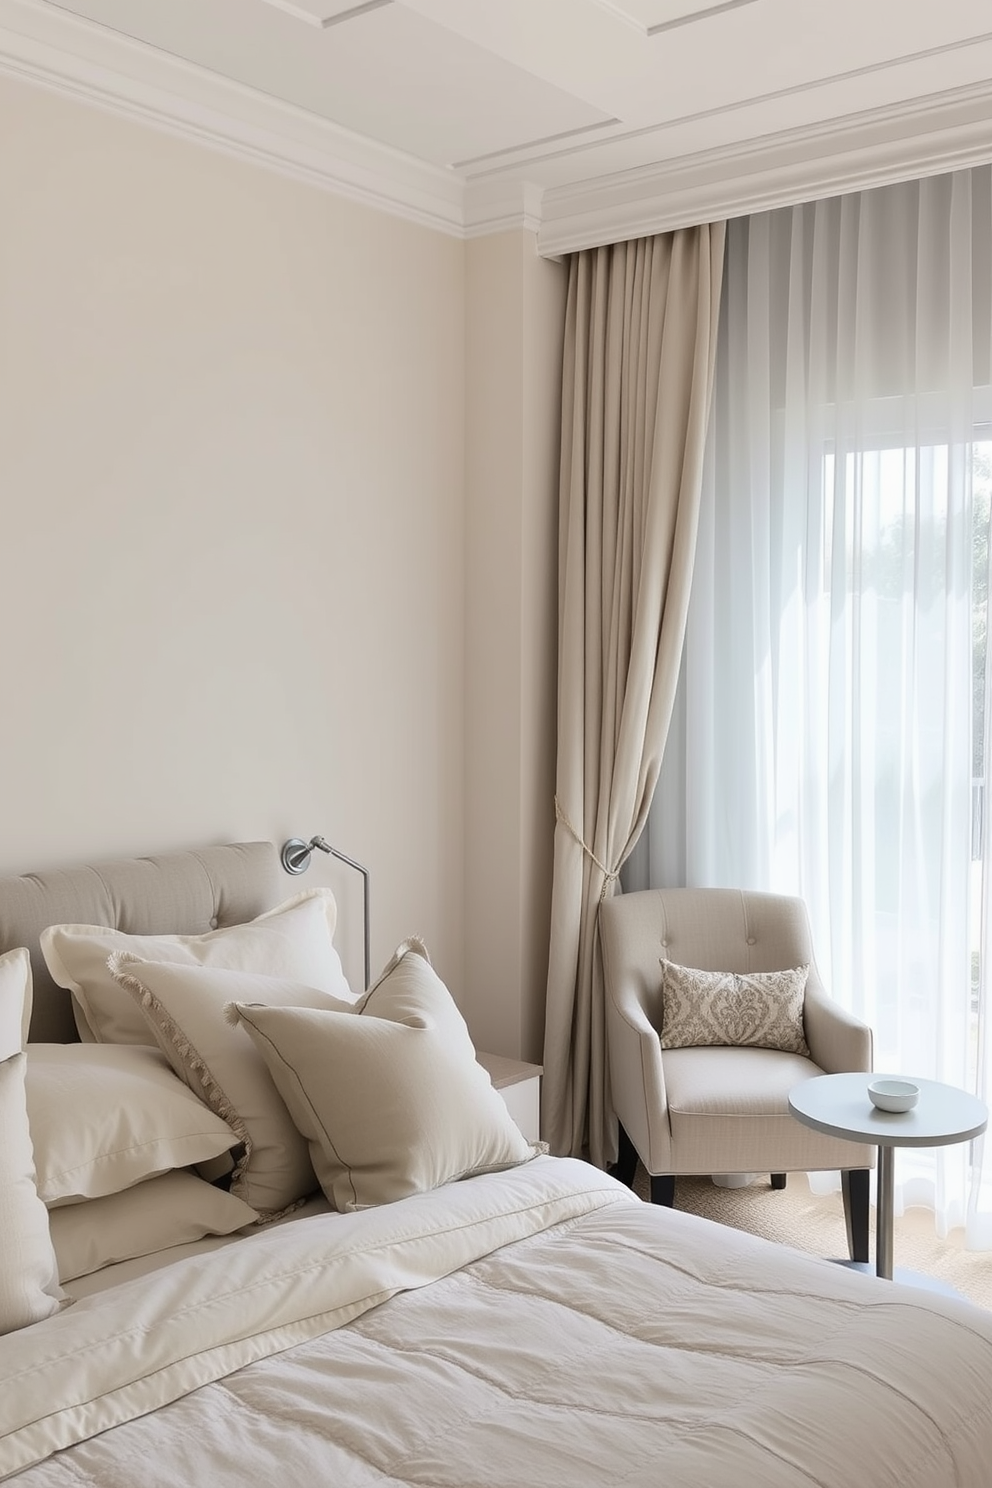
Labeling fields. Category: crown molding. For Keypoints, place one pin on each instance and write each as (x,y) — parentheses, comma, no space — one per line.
(944,132)
(71,56)
(500,206)
(60,51)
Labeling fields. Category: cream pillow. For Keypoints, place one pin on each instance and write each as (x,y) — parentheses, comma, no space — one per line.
(762,1009)
(105,1117)
(294,940)
(29,1289)
(388,1094)
(183,1007)
(173,1209)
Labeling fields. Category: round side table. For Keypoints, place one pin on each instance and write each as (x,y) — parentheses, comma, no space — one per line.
(841,1106)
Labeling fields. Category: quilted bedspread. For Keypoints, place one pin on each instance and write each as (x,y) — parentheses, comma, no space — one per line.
(539,1328)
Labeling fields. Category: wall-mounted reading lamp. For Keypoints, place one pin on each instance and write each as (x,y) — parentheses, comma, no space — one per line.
(295,857)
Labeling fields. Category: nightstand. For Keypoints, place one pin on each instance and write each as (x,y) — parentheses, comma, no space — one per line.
(520,1086)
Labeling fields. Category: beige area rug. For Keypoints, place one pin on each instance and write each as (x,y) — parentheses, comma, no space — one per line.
(795,1216)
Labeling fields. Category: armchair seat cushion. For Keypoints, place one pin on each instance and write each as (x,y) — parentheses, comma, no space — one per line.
(729,1113)
(722,1081)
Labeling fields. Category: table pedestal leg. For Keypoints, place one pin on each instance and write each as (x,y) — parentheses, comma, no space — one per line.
(883,1213)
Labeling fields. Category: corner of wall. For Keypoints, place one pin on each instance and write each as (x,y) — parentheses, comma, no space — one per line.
(514,317)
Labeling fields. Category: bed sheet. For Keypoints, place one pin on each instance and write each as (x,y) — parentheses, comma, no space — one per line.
(540,1326)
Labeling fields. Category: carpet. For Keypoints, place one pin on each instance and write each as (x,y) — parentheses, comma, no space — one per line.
(795,1216)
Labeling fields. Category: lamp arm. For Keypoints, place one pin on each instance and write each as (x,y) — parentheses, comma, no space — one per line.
(335,852)
(296,859)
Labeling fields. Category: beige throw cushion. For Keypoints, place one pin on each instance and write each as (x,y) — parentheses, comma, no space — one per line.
(761,1009)
(183,1007)
(105,1117)
(388,1094)
(294,940)
(29,1289)
(173,1209)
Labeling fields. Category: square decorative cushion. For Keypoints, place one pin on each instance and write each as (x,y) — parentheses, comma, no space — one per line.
(183,1008)
(29,1288)
(762,1009)
(173,1209)
(107,1116)
(294,940)
(388,1093)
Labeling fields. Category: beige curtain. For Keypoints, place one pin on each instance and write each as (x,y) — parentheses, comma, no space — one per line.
(640,339)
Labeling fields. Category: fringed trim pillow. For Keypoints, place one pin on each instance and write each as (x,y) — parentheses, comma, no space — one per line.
(184,1011)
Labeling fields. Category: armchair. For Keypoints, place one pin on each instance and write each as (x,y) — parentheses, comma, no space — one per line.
(722,1110)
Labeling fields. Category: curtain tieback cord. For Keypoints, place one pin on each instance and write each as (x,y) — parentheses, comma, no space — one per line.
(610,875)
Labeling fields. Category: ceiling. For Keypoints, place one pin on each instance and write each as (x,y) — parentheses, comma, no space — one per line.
(586,120)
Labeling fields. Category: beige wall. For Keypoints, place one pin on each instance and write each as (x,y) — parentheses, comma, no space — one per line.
(515,312)
(264,573)
(231,475)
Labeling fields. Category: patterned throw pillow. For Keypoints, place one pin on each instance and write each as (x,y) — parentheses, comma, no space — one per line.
(757,1009)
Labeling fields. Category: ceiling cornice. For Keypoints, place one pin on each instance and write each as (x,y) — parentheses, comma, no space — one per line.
(943,132)
(58,50)
(74,57)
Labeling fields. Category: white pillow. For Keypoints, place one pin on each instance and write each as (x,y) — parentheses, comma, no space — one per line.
(173,1209)
(106,1116)
(29,1289)
(755,1009)
(388,1093)
(184,1010)
(294,940)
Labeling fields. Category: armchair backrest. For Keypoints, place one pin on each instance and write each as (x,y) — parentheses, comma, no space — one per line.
(711,929)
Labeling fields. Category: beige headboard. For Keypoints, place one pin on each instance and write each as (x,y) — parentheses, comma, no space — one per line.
(182,893)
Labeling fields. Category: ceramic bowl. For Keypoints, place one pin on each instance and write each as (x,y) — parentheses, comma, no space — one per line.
(894,1095)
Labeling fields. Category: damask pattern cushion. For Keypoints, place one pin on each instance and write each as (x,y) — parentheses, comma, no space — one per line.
(757,1009)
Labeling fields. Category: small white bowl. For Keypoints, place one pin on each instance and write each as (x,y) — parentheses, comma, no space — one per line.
(894,1095)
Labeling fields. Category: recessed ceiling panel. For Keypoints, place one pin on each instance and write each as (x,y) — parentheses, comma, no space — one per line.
(586,49)
(655,16)
(386,73)
(683,141)
(326,12)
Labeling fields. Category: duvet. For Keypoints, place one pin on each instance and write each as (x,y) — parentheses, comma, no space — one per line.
(538,1327)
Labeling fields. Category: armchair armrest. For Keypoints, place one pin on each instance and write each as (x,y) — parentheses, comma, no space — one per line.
(637,1080)
(837,1040)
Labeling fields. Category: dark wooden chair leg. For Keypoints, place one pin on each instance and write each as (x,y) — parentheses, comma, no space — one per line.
(663,1189)
(854,1183)
(778,1180)
(626,1164)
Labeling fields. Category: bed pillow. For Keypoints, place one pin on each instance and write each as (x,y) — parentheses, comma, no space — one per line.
(183,1008)
(104,1117)
(29,1287)
(294,940)
(762,1009)
(388,1093)
(173,1209)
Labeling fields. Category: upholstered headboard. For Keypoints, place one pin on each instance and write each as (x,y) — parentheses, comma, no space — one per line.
(183,893)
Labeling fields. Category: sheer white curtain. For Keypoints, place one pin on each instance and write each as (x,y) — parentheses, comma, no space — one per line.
(831,734)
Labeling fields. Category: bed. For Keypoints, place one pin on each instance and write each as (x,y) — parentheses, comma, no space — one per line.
(387,1298)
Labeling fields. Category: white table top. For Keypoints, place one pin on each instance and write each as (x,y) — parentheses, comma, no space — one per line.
(840,1106)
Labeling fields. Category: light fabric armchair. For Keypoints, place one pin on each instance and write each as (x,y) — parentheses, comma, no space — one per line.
(722,1110)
